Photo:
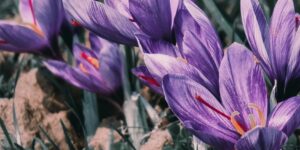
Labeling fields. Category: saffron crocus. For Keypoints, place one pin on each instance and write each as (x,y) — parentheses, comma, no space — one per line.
(41,22)
(97,69)
(198,52)
(275,44)
(119,20)
(241,120)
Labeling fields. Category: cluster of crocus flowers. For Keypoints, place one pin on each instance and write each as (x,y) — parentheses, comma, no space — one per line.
(220,96)
(275,44)
(41,22)
(97,69)
(224,105)
(120,20)
(239,119)
(198,52)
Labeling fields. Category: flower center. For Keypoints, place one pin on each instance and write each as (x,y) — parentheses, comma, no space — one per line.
(240,128)
(150,80)
(36,29)
(91,60)
(75,23)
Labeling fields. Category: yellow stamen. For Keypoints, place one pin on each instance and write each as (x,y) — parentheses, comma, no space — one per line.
(235,124)
(94,62)
(252,120)
(260,113)
(82,68)
(91,60)
(256,60)
(182,60)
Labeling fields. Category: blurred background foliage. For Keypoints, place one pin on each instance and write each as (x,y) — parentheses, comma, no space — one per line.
(225,15)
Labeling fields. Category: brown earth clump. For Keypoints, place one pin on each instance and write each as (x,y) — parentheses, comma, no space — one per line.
(157,140)
(34,107)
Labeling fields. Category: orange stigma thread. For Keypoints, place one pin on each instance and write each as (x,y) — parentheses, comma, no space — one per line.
(149,80)
(37,30)
(93,61)
(235,123)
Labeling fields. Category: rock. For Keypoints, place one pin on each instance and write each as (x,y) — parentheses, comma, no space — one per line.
(157,140)
(35,107)
(102,138)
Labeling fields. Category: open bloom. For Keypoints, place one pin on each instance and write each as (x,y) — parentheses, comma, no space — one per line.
(97,70)
(240,120)
(119,20)
(198,52)
(275,44)
(41,22)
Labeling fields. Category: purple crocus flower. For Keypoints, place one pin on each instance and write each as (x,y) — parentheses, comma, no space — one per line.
(275,44)
(241,120)
(97,70)
(198,51)
(120,20)
(41,22)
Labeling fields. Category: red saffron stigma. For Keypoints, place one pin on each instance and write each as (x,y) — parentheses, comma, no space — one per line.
(84,55)
(3,42)
(149,80)
(297,18)
(32,11)
(201,100)
(74,23)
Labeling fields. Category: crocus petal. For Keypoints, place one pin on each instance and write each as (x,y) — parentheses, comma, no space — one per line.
(73,75)
(242,84)
(101,19)
(256,29)
(27,11)
(98,43)
(294,61)
(282,31)
(171,65)
(152,46)
(286,116)
(95,42)
(201,57)
(154,17)
(121,5)
(262,139)
(18,38)
(145,76)
(209,136)
(181,92)
(49,15)
(183,22)
(111,67)
(200,28)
